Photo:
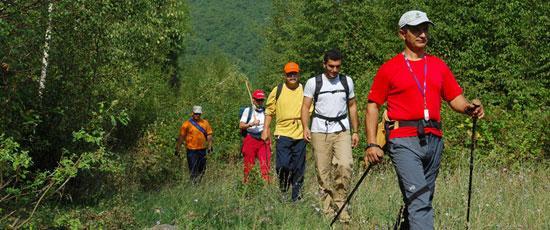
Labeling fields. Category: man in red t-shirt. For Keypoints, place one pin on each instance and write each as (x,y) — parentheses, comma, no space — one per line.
(413,83)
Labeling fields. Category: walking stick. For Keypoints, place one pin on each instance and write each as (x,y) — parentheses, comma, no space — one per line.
(251,99)
(351,194)
(474,126)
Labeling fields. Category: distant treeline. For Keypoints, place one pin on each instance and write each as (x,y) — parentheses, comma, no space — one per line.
(231,27)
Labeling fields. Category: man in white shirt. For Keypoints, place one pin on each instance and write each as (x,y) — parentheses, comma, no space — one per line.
(333,97)
(253,145)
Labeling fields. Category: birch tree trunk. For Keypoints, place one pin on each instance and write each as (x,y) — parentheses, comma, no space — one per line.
(47,37)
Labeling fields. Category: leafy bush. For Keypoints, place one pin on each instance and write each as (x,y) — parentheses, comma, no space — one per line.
(26,188)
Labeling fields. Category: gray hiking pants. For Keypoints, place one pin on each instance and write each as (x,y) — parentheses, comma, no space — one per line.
(417,167)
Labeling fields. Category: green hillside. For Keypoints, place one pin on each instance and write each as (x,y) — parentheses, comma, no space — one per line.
(232,27)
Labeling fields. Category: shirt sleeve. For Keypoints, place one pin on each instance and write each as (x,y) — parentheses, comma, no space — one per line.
(380,87)
(209,130)
(451,89)
(244,116)
(270,105)
(183,130)
(351,88)
(309,89)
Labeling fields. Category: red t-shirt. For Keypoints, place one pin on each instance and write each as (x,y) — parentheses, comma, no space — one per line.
(395,84)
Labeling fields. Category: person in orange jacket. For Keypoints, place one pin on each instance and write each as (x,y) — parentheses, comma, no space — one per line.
(197,134)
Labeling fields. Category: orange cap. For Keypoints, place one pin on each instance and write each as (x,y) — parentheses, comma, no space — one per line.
(291,67)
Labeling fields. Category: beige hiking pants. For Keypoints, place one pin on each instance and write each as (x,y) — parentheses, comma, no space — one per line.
(334,161)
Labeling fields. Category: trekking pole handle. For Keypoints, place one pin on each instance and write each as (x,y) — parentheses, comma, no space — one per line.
(470,110)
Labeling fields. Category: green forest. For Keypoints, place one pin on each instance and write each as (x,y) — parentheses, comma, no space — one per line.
(93,94)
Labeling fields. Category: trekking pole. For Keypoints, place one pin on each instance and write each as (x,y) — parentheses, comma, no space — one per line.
(351,194)
(397,223)
(474,126)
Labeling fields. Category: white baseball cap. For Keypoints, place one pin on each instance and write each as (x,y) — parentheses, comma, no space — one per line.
(413,18)
(197,109)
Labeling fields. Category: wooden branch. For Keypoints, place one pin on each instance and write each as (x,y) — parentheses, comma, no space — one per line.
(6,216)
(36,206)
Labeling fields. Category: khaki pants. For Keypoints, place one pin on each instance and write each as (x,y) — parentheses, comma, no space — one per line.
(333,160)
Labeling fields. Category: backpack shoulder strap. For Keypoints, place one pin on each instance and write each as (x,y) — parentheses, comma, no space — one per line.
(344,81)
(279,90)
(201,129)
(318,86)
(249,114)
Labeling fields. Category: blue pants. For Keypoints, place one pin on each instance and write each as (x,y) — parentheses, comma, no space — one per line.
(291,164)
(196,160)
(417,167)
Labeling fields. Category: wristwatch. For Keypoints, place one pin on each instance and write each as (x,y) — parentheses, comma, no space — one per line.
(373,145)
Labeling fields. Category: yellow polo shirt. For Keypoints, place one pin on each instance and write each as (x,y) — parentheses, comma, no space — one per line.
(287,111)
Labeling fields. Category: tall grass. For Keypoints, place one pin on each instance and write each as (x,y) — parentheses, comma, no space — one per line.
(500,200)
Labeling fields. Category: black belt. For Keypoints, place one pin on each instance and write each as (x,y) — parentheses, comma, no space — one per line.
(418,124)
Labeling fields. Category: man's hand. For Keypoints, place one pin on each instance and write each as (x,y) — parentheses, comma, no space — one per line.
(475,109)
(5,67)
(373,155)
(266,134)
(254,123)
(307,134)
(354,140)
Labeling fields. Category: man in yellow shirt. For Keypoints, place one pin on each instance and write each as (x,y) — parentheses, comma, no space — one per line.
(197,134)
(284,102)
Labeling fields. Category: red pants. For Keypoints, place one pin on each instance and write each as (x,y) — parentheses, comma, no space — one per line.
(252,149)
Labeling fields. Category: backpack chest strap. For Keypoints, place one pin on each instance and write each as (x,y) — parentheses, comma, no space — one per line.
(334,91)
(332,119)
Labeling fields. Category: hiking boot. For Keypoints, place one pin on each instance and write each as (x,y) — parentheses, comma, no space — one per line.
(329,214)
(344,217)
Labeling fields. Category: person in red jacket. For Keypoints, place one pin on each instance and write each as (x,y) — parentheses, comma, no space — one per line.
(413,84)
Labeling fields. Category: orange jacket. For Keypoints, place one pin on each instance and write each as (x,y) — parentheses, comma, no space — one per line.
(194,139)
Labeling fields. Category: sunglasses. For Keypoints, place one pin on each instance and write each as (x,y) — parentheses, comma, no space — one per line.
(292,75)
(196,114)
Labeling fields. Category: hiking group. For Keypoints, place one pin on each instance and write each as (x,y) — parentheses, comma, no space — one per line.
(412,84)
